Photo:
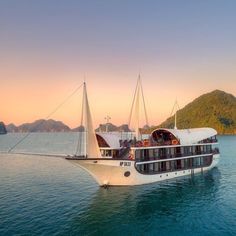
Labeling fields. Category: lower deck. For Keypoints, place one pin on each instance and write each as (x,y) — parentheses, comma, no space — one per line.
(118,172)
(169,165)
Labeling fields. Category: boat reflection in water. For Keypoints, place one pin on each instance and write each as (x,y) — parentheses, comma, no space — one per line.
(154,207)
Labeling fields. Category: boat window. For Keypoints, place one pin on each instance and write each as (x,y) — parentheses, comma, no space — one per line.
(177,151)
(168,166)
(162,152)
(208,149)
(151,167)
(198,149)
(146,154)
(171,152)
(186,163)
(155,152)
(186,150)
(151,153)
(138,155)
(175,165)
(196,162)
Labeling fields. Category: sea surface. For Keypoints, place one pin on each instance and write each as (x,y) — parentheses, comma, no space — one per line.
(49,196)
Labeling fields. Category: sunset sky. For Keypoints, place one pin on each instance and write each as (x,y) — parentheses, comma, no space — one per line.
(181,48)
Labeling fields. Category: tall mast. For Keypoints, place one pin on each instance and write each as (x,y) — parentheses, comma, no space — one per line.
(137,133)
(107,118)
(175,120)
(135,108)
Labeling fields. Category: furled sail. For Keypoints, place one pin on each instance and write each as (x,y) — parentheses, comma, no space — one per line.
(91,149)
(135,109)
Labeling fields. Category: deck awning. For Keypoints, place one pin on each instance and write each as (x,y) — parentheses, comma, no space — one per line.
(188,136)
(108,140)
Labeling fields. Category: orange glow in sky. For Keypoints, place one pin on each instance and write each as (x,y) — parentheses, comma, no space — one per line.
(181,51)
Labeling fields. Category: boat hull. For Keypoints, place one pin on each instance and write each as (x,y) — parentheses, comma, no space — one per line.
(123,172)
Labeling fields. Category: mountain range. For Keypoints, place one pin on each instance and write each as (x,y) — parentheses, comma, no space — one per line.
(113,128)
(39,126)
(216,109)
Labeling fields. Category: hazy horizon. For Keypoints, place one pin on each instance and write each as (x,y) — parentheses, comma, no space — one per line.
(181,49)
(102,123)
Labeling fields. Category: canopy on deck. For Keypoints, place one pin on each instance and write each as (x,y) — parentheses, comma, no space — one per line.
(184,136)
(108,140)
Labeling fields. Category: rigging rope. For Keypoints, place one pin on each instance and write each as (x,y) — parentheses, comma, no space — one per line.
(176,105)
(131,111)
(49,115)
(144,105)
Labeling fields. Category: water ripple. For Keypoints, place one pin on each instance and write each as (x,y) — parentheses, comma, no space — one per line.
(49,196)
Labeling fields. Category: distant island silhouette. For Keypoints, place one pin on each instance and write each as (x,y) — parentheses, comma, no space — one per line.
(3,129)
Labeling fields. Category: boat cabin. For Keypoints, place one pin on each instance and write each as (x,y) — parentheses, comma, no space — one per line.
(109,145)
(193,149)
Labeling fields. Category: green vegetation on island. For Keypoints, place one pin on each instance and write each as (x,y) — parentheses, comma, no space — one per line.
(216,109)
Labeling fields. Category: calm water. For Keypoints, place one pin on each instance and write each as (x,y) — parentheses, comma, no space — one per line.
(49,196)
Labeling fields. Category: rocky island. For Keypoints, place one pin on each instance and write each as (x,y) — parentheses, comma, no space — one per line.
(2,128)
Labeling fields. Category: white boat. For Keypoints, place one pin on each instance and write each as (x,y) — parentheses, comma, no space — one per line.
(165,154)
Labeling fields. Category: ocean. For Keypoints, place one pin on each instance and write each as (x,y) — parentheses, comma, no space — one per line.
(50,196)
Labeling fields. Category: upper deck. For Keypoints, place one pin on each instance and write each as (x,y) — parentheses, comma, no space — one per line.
(112,146)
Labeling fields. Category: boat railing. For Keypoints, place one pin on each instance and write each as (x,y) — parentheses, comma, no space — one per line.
(145,144)
(209,140)
(177,155)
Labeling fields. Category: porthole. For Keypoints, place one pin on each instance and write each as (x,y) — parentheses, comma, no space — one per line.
(166,174)
(160,176)
(183,171)
(176,173)
(127,173)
